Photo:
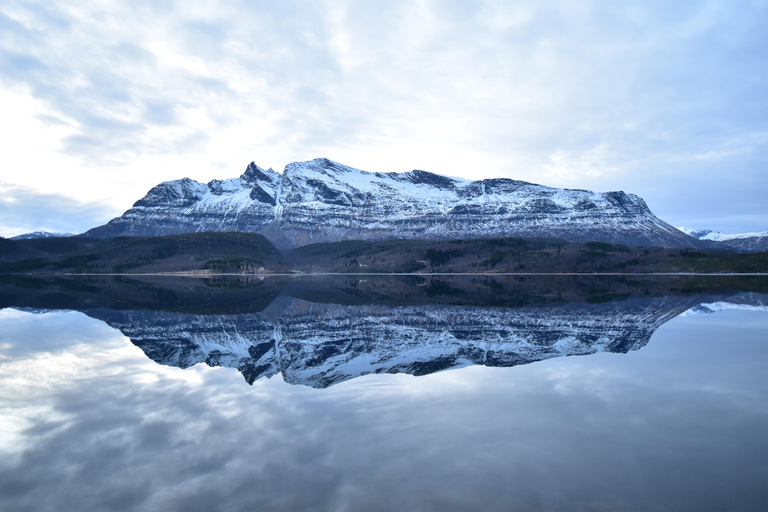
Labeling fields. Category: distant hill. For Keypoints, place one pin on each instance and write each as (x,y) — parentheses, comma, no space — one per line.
(40,234)
(742,242)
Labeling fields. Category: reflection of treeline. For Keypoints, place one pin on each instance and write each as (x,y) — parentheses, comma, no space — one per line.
(237,294)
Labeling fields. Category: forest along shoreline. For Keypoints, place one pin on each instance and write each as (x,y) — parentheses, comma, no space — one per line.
(221,253)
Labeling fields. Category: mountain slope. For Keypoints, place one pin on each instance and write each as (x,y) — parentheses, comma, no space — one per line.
(323,201)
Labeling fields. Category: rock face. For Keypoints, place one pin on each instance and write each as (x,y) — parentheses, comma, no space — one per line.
(319,345)
(322,201)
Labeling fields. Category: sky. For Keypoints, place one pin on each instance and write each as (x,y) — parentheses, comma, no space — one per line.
(101,100)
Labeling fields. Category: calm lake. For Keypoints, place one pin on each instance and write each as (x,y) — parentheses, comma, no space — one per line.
(552,394)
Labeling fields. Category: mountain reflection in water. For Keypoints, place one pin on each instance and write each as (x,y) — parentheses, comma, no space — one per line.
(321,332)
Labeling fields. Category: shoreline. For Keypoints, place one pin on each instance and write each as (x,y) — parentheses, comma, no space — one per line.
(204,274)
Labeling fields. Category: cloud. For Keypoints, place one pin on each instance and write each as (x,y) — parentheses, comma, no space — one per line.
(23,210)
(573,93)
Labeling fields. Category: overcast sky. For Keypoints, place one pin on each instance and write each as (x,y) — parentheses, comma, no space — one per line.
(102,100)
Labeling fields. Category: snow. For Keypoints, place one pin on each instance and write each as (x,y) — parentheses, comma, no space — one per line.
(40,234)
(337,176)
(716,236)
(234,196)
(340,177)
(714,307)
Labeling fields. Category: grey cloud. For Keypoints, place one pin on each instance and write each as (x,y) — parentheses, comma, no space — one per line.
(651,83)
(160,113)
(79,329)
(108,89)
(720,194)
(19,65)
(220,87)
(23,210)
(206,37)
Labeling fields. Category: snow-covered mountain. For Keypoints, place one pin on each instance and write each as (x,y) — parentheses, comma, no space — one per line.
(40,234)
(318,345)
(323,201)
(744,242)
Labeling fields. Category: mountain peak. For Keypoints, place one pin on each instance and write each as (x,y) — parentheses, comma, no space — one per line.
(254,173)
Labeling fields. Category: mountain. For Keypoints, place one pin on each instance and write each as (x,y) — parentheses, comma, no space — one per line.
(323,201)
(40,234)
(318,345)
(742,242)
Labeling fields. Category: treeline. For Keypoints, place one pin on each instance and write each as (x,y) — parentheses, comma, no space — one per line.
(517,255)
(250,253)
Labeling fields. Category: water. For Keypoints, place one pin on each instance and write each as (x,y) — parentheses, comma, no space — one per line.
(661,411)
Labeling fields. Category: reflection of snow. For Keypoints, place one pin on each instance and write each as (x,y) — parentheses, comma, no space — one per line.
(321,344)
(714,307)
(38,311)
(716,236)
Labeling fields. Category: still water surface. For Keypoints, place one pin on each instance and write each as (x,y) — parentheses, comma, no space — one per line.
(676,422)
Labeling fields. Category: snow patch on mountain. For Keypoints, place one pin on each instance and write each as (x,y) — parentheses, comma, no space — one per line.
(715,307)
(716,236)
(40,234)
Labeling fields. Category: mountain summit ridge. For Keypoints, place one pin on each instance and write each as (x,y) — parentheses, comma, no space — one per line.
(324,201)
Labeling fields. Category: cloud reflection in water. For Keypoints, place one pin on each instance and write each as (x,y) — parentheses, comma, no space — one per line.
(680,423)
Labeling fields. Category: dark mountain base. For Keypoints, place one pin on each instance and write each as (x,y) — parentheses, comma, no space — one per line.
(212,251)
(247,253)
